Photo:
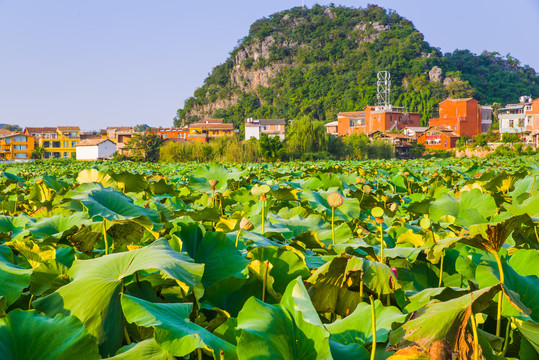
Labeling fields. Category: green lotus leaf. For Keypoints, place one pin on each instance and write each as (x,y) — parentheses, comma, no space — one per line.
(94,292)
(473,207)
(220,257)
(203,174)
(15,226)
(172,329)
(29,335)
(14,278)
(129,182)
(58,226)
(48,277)
(335,285)
(527,287)
(96,176)
(444,320)
(348,211)
(147,350)
(287,264)
(12,177)
(114,206)
(162,187)
(355,330)
(290,330)
(530,331)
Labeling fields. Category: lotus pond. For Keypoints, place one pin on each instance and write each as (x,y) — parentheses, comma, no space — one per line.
(421,259)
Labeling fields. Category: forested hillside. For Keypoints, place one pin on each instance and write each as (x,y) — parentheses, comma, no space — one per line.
(320,61)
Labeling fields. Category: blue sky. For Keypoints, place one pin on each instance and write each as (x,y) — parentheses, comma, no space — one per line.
(125,62)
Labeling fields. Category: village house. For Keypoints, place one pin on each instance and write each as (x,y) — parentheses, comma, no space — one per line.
(332,127)
(533,118)
(461,116)
(172,133)
(57,142)
(438,137)
(514,118)
(207,129)
(376,118)
(95,149)
(270,127)
(112,132)
(414,131)
(15,145)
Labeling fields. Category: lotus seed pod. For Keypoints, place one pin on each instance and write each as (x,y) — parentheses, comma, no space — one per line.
(263,197)
(335,200)
(245,224)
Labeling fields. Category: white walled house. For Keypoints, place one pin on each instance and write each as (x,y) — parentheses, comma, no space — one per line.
(513,118)
(270,127)
(95,149)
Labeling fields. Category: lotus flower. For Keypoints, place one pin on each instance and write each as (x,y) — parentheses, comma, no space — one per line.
(213,183)
(394,269)
(245,224)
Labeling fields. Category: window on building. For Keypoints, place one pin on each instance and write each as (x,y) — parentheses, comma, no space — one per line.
(511,123)
(56,155)
(46,144)
(20,147)
(66,144)
(520,122)
(74,143)
(445,142)
(390,117)
(73,134)
(56,144)
(46,155)
(455,126)
(8,140)
(21,155)
(19,139)
(66,155)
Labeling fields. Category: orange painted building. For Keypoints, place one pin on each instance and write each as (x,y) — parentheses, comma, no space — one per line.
(172,133)
(438,137)
(16,145)
(376,118)
(532,116)
(461,116)
(207,129)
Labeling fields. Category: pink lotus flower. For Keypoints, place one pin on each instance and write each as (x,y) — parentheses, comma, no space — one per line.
(394,269)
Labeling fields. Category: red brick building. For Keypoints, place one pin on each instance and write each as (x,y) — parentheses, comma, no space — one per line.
(376,118)
(461,116)
(438,137)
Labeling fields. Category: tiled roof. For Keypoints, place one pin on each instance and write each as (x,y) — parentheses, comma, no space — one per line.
(68,128)
(447,131)
(211,121)
(333,123)
(40,130)
(352,113)
(119,128)
(211,126)
(397,135)
(6,132)
(91,142)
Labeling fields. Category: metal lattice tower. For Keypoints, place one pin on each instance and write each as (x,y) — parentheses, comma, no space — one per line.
(383,86)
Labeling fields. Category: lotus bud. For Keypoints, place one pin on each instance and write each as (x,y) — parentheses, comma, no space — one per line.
(245,224)
(39,182)
(263,197)
(335,200)
(394,269)
(213,183)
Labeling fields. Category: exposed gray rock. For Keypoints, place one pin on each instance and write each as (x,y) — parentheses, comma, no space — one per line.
(448,81)
(435,74)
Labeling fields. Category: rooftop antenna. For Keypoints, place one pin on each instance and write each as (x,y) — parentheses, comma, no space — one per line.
(383,87)
(303,4)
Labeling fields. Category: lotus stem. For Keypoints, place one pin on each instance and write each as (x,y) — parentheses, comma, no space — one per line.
(361,286)
(441,269)
(373,317)
(381,243)
(199,352)
(475,338)
(105,237)
(388,300)
(263,217)
(221,355)
(126,334)
(333,225)
(238,237)
(30,302)
(500,298)
(265,280)
(533,184)
(507,335)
